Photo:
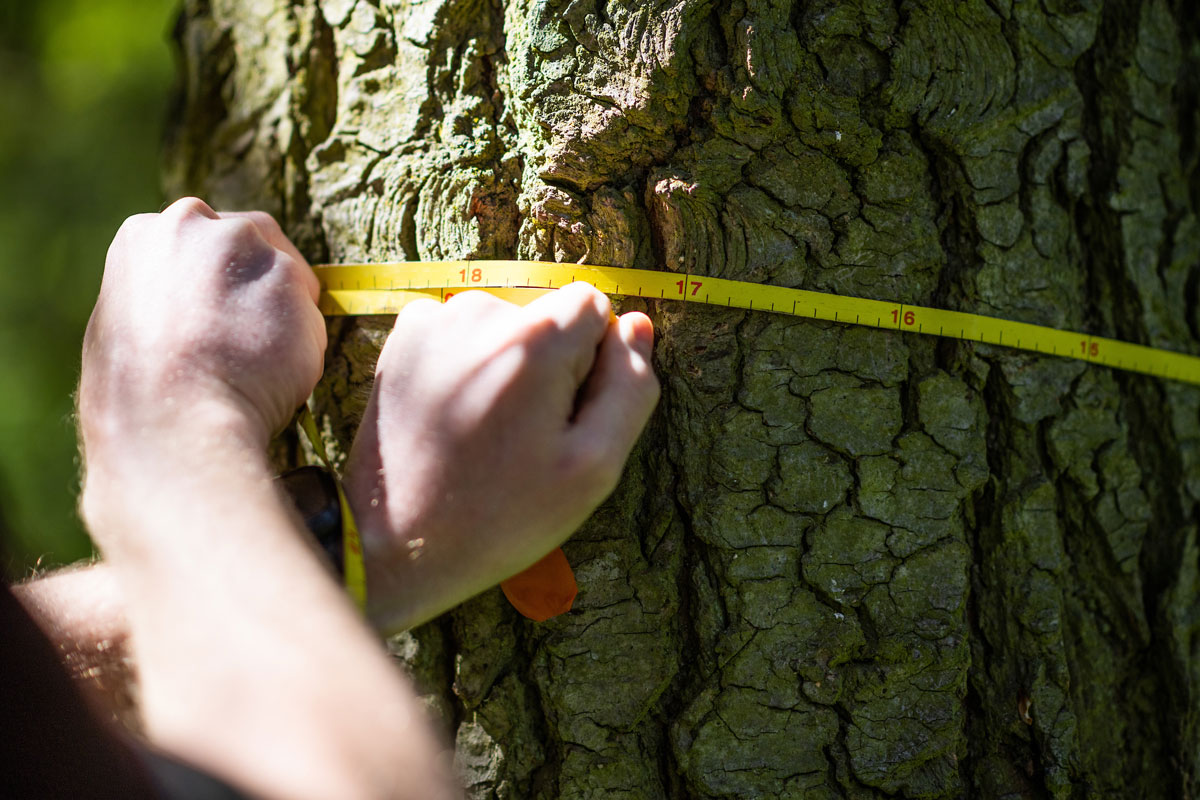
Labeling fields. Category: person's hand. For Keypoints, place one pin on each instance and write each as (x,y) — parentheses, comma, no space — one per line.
(199,313)
(205,339)
(491,434)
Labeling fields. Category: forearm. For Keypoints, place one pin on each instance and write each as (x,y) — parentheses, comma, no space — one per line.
(251,661)
(205,338)
(82,612)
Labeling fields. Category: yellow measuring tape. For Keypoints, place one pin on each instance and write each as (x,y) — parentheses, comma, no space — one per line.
(355,577)
(349,289)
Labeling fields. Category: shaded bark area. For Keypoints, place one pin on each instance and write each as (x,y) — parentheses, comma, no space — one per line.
(843,562)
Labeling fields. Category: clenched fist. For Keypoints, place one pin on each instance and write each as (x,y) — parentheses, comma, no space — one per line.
(206,328)
(492,432)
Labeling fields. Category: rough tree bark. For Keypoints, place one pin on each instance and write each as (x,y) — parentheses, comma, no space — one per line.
(843,562)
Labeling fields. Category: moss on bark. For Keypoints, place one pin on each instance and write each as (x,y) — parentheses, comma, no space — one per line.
(842,562)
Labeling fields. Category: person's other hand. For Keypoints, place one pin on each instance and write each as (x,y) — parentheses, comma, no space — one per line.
(492,432)
(206,333)
(205,339)
(199,312)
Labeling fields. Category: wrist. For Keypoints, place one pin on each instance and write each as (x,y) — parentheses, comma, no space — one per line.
(113,424)
(157,472)
(385,569)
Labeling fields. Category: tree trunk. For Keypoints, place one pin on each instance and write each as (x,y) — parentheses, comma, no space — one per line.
(843,562)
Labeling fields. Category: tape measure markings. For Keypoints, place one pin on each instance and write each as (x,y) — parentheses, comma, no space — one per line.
(521,281)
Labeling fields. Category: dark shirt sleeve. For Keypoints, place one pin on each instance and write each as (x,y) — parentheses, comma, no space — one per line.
(53,744)
(174,780)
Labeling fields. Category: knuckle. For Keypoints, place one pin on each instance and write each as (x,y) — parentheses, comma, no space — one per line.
(233,254)
(417,309)
(263,221)
(414,316)
(189,207)
(243,238)
(589,300)
(474,301)
(583,290)
(242,228)
(481,311)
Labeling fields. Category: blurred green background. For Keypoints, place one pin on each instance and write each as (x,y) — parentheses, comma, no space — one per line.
(84,86)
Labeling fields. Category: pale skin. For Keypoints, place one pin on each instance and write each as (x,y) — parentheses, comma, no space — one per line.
(492,432)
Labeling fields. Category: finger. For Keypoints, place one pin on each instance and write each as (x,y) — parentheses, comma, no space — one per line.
(269,228)
(474,302)
(417,313)
(414,322)
(314,361)
(481,316)
(317,326)
(579,315)
(621,392)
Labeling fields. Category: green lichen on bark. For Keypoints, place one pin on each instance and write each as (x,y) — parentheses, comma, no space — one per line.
(843,562)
